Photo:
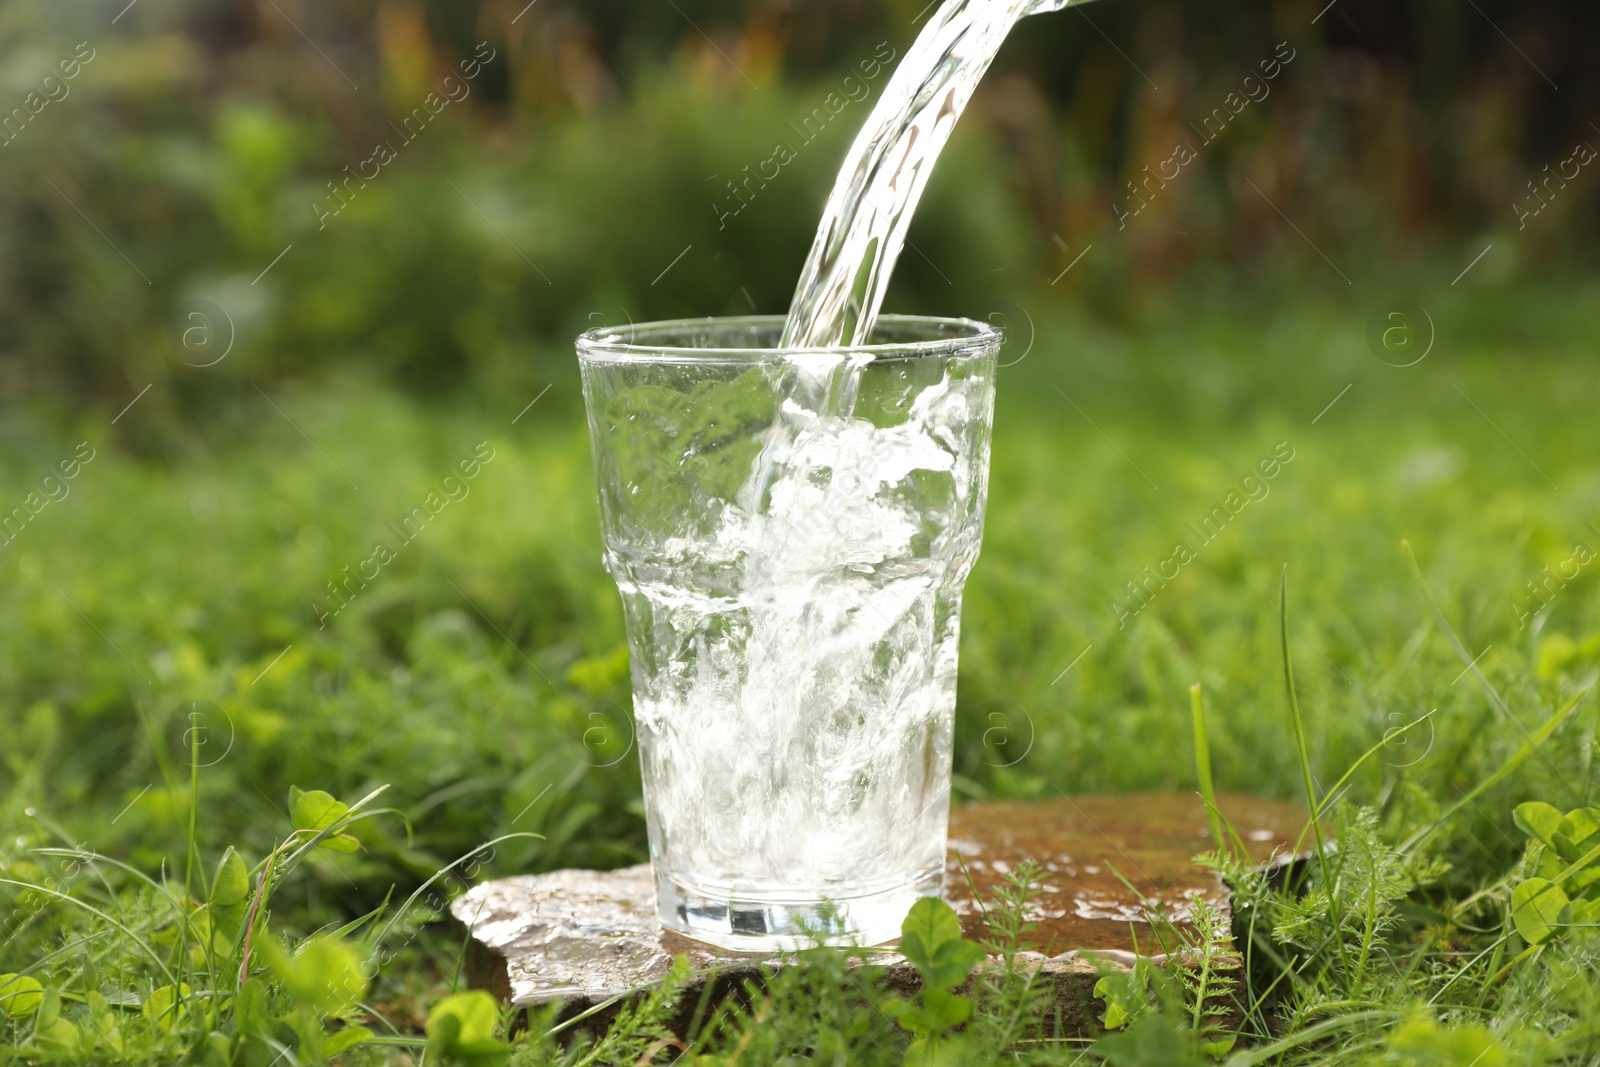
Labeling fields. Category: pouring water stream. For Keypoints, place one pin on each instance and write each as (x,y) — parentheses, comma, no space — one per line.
(864,225)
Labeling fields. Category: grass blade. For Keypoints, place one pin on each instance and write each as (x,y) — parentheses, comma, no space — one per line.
(1202,762)
(1312,806)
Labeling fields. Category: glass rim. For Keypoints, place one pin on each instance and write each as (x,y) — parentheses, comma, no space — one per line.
(626,344)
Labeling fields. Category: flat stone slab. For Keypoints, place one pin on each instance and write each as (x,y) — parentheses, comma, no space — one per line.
(586,936)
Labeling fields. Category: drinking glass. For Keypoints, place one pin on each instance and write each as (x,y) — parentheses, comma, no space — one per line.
(790,531)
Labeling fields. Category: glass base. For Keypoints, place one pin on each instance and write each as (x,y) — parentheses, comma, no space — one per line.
(747,924)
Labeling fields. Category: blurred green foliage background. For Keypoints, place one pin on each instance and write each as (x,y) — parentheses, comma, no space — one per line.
(205,137)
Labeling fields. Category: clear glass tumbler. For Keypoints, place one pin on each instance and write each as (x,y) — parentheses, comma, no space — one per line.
(790,531)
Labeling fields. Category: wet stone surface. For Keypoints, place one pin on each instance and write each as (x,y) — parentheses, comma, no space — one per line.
(585,936)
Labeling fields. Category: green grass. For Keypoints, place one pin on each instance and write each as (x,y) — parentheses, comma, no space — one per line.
(480,677)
